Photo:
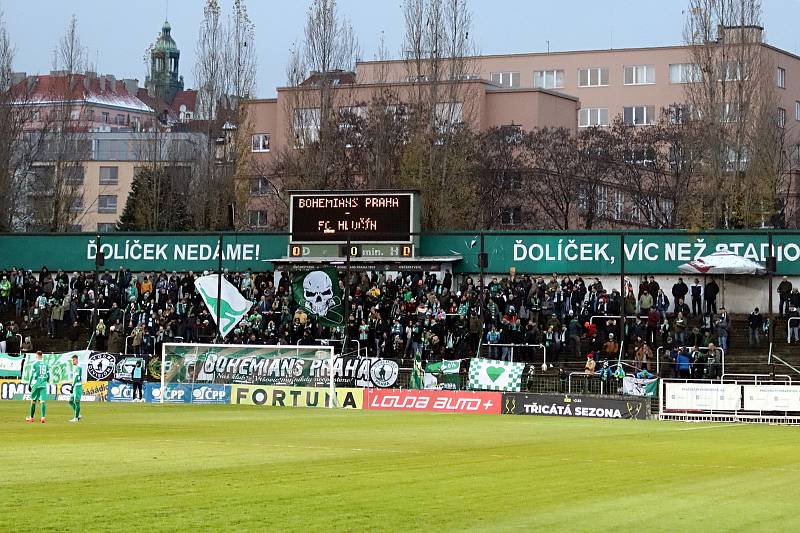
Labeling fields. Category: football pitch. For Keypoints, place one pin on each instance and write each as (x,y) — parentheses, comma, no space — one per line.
(143,467)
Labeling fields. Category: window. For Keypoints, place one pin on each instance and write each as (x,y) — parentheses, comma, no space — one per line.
(684,73)
(73,175)
(639,115)
(548,79)
(90,115)
(422,78)
(510,180)
(797,110)
(636,212)
(682,113)
(602,200)
(257,218)
(736,159)
(260,142)
(462,77)
(448,114)
(105,118)
(35,116)
(619,204)
(780,78)
(259,186)
(642,156)
(106,227)
(119,120)
(593,77)
(731,112)
(781,117)
(640,75)
(107,203)
(109,175)
(732,71)
(75,114)
(511,216)
(505,79)
(306,125)
(76,204)
(593,116)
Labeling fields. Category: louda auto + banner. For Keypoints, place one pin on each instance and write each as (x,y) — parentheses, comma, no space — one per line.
(438,401)
(577,406)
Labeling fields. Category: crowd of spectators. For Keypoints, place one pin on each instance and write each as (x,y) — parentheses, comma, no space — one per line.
(434,316)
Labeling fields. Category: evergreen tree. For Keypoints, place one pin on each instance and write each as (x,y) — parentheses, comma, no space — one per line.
(157,202)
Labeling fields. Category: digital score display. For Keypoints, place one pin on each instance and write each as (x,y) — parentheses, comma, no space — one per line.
(379,217)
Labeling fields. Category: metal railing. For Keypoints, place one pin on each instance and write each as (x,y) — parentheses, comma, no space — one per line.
(772,377)
(701,348)
(151,337)
(512,346)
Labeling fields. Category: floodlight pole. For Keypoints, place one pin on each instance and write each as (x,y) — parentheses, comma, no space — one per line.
(346,296)
(219,287)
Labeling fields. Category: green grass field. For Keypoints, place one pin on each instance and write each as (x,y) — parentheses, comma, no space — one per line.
(148,467)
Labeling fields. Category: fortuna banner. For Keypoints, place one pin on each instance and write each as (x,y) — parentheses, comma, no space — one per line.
(318,294)
(488,374)
(232,307)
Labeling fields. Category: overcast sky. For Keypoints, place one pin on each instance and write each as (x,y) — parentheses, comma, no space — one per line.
(117,32)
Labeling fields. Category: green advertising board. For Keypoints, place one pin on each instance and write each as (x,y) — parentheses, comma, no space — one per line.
(599,252)
(142,252)
(587,252)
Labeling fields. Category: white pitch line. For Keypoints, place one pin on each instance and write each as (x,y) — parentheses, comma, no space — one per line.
(708,427)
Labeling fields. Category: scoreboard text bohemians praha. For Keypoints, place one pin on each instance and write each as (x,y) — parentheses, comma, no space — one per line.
(357,217)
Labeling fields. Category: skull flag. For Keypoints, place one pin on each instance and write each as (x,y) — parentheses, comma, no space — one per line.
(232,305)
(318,294)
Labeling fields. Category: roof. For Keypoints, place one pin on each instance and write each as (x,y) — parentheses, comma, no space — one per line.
(101,91)
(185,97)
(336,77)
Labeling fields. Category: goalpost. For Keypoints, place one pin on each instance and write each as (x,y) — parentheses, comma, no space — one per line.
(202,367)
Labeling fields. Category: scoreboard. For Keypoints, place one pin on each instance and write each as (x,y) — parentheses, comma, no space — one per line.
(368,217)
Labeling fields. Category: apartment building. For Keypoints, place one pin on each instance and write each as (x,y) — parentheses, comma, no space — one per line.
(103,177)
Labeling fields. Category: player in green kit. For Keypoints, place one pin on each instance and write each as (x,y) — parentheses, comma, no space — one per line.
(40,375)
(77,389)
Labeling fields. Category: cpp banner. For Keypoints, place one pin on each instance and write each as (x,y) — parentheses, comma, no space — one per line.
(576,406)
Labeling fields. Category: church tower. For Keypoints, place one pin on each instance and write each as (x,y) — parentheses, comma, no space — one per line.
(164,81)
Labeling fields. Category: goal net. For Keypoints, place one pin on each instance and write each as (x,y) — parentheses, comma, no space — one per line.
(261,374)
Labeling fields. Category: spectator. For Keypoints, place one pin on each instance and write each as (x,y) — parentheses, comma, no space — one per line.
(610,348)
(680,328)
(697,294)
(784,293)
(74,335)
(711,291)
(794,325)
(645,303)
(723,326)
(679,292)
(683,363)
(713,359)
(662,302)
(115,340)
(755,322)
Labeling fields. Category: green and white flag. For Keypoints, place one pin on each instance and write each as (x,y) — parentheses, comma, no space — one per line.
(232,306)
(443,375)
(318,294)
(640,387)
(488,374)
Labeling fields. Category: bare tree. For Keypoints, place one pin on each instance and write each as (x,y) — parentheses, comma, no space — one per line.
(731,94)
(499,166)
